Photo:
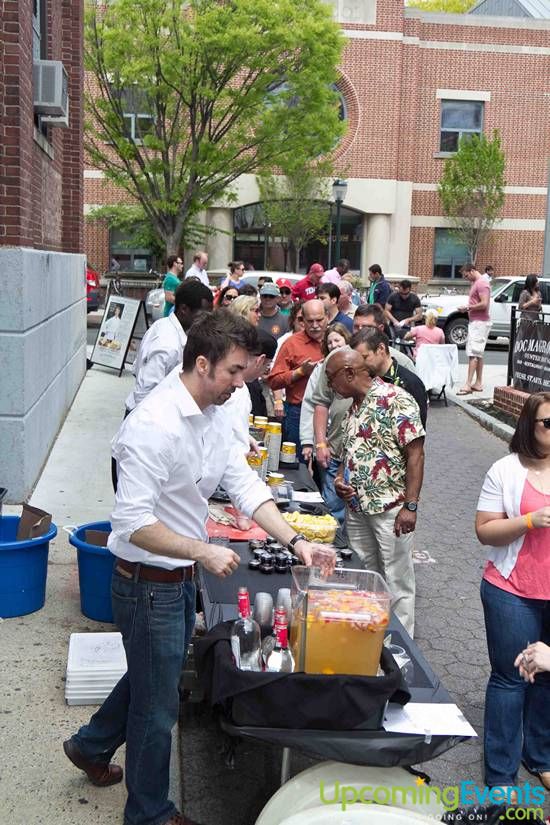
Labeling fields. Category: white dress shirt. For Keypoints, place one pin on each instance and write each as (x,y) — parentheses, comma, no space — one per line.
(111,327)
(239,407)
(161,350)
(171,456)
(196,272)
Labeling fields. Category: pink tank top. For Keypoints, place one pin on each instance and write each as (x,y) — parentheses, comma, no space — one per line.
(530,577)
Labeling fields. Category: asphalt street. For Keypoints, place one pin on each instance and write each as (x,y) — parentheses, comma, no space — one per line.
(449,631)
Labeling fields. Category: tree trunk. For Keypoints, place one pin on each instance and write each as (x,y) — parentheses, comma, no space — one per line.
(297,259)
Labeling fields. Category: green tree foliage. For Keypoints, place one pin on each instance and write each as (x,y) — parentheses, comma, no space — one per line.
(225,89)
(448,6)
(472,189)
(295,207)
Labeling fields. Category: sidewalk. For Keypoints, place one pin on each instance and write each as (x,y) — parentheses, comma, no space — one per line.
(38,785)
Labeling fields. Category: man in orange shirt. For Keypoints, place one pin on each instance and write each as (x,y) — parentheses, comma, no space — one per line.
(294,364)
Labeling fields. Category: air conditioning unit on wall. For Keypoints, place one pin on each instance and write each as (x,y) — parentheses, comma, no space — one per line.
(56,120)
(50,84)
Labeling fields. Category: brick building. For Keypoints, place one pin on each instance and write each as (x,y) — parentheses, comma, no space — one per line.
(42,266)
(411,83)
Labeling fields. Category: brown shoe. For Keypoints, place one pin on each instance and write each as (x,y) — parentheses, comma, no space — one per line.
(98,773)
(180,819)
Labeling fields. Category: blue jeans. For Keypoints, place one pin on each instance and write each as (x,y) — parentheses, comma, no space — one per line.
(333,501)
(292,427)
(517,713)
(156,622)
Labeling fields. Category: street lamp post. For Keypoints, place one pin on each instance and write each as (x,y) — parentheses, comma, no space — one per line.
(339,189)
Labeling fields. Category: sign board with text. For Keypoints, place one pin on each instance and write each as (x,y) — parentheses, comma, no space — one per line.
(124,319)
(531,356)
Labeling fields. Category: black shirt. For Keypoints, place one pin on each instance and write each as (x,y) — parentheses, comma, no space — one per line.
(402,308)
(259,406)
(411,383)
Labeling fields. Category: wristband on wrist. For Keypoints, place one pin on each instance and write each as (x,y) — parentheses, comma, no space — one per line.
(278,402)
(298,372)
(320,444)
(529,520)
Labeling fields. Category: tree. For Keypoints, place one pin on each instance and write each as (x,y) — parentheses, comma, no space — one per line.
(184,96)
(295,207)
(472,189)
(448,6)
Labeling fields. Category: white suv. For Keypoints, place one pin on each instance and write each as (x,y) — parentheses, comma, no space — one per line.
(505,294)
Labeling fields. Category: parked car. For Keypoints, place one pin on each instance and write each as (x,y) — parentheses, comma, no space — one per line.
(505,294)
(92,288)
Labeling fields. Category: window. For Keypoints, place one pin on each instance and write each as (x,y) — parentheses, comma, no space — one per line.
(138,125)
(459,118)
(131,257)
(38,30)
(450,255)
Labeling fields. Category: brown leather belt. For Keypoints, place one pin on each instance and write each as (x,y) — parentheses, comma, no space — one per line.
(148,573)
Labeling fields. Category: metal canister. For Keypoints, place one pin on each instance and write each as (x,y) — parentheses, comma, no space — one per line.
(273,438)
(260,424)
(255,461)
(288,452)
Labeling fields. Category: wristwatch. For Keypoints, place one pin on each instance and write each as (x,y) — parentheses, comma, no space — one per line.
(412,506)
(293,541)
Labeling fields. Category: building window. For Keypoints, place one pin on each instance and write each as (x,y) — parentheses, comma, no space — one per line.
(130,257)
(459,118)
(450,255)
(137,126)
(39,40)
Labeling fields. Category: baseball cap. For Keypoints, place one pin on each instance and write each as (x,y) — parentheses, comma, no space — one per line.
(316,269)
(270,289)
(284,283)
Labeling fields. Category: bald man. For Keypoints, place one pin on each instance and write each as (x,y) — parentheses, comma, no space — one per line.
(381,474)
(294,364)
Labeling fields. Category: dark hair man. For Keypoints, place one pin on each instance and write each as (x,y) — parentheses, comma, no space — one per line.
(171,282)
(381,474)
(379,290)
(329,294)
(373,316)
(403,307)
(335,275)
(479,326)
(306,289)
(162,346)
(172,451)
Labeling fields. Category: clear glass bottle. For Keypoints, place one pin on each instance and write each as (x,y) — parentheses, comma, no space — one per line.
(245,636)
(268,643)
(280,660)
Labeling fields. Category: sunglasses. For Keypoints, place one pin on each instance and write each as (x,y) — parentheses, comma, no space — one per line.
(229,297)
(545,422)
(286,291)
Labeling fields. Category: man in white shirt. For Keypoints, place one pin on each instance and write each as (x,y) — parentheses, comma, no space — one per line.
(172,452)
(161,348)
(198,269)
(335,275)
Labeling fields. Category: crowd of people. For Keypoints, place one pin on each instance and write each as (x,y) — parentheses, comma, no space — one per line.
(332,370)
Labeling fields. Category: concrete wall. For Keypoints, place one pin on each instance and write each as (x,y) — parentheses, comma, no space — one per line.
(42,357)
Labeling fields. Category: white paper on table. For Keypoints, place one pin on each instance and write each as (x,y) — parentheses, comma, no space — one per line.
(307,498)
(427,719)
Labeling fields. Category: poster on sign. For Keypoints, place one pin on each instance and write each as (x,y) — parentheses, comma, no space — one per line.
(123,319)
(531,361)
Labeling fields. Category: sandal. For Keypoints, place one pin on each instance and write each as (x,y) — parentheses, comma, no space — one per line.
(465,391)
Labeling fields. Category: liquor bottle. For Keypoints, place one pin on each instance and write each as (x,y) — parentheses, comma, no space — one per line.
(280,659)
(268,643)
(245,636)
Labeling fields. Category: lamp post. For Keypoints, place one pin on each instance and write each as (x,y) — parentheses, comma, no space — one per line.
(339,189)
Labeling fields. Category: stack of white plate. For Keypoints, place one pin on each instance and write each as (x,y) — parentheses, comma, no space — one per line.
(96,663)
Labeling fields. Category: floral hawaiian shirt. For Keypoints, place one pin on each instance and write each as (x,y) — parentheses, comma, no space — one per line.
(375,437)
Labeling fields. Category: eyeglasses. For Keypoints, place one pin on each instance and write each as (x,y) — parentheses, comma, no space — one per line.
(545,422)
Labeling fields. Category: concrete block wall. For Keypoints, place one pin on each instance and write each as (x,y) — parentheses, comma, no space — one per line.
(42,357)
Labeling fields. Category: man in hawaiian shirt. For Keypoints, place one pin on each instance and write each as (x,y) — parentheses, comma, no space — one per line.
(381,474)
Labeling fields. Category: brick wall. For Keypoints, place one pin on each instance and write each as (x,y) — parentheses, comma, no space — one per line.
(509,400)
(41,187)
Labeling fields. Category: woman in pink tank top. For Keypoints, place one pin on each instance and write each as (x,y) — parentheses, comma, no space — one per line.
(513,519)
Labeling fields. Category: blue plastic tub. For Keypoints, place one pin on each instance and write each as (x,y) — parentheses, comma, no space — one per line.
(23,569)
(95,569)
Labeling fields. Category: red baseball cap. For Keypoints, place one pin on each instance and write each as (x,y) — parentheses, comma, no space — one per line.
(284,283)
(316,269)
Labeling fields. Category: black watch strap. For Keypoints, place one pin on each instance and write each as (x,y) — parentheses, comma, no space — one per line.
(298,537)
(412,506)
